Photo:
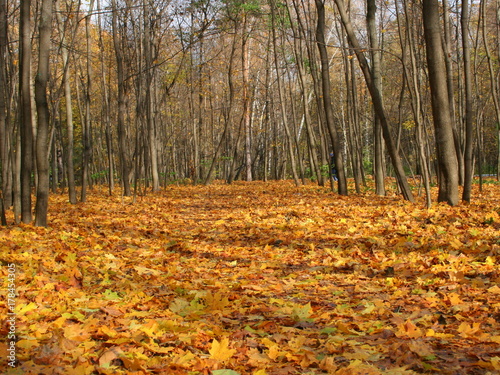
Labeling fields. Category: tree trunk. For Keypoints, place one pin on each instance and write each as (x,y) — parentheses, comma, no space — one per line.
(447,158)
(70,169)
(247,107)
(450,76)
(6,173)
(469,129)
(106,110)
(121,126)
(327,101)
(281,94)
(493,81)
(25,115)
(87,120)
(153,142)
(377,103)
(413,78)
(42,107)
(228,110)
(378,139)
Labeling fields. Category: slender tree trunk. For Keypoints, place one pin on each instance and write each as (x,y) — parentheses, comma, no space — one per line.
(447,158)
(42,140)
(279,83)
(153,142)
(378,158)
(451,91)
(87,120)
(377,103)
(469,128)
(355,151)
(106,109)
(414,85)
(6,196)
(247,107)
(69,109)
(18,162)
(493,80)
(121,126)
(25,115)
(305,24)
(227,112)
(327,101)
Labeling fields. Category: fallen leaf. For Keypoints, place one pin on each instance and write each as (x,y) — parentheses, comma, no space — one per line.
(220,350)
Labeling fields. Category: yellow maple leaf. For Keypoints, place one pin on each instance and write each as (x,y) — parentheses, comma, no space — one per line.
(220,350)
(472,331)
(454,299)
(216,301)
(409,329)
(274,352)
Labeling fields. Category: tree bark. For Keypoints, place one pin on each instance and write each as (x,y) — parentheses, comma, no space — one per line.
(43,118)
(377,103)
(493,81)
(87,120)
(151,125)
(70,169)
(413,74)
(5,147)
(281,95)
(106,109)
(469,127)
(327,100)
(25,115)
(378,157)
(450,76)
(121,126)
(247,107)
(447,158)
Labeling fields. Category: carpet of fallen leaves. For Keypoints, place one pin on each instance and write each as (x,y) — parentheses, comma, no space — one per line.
(256,278)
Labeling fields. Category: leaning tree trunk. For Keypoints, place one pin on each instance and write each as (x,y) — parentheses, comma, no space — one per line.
(42,108)
(377,103)
(447,158)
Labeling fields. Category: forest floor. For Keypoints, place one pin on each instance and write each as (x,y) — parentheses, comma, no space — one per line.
(254,278)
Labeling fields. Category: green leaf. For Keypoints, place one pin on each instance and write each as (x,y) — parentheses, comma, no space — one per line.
(109,295)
